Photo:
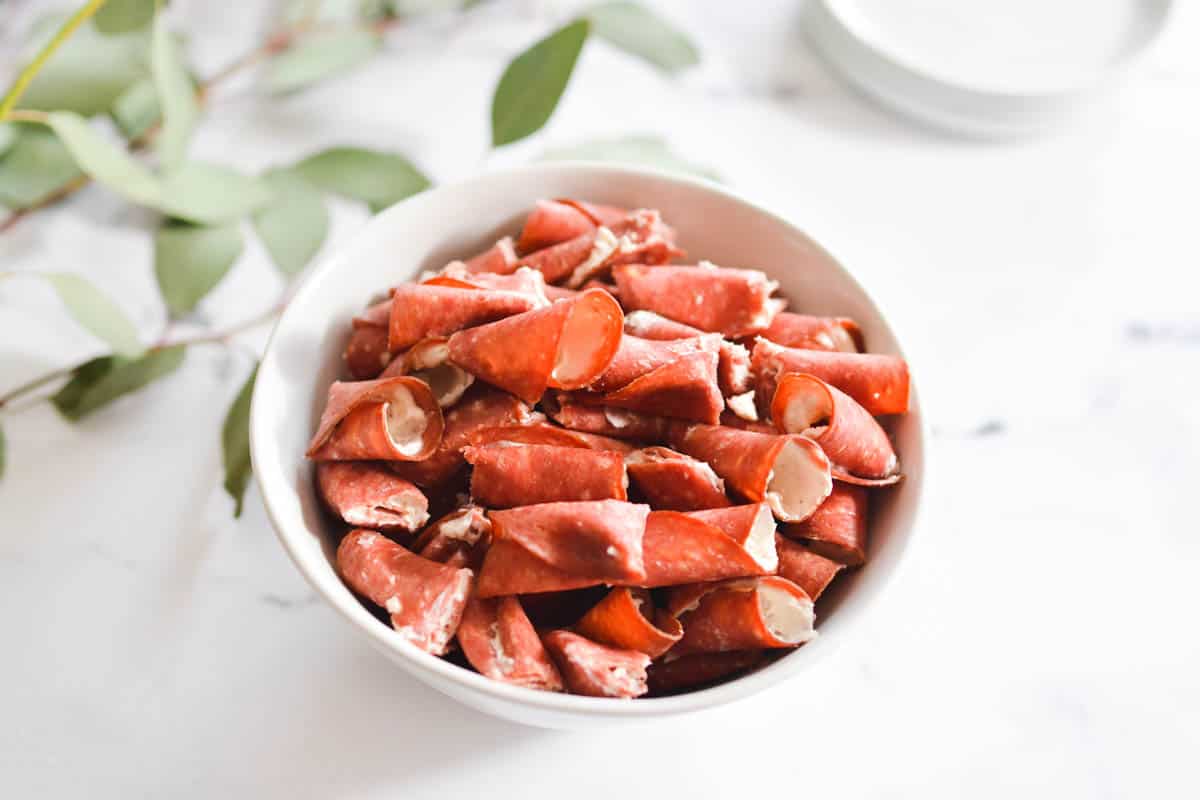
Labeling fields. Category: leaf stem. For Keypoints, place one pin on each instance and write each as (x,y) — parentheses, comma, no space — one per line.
(26,76)
(36,383)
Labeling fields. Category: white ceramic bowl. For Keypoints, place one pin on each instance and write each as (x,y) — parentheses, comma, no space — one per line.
(426,231)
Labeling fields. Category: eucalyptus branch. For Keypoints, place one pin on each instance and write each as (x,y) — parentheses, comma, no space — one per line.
(26,76)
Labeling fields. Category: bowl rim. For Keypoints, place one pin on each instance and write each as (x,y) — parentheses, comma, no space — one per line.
(272,486)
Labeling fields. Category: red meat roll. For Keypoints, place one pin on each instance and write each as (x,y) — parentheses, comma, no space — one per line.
(557,546)
(458,539)
(481,407)
(811,572)
(746,614)
(838,529)
(425,599)
(499,258)
(857,446)
(790,473)
(689,672)
(637,357)
(554,221)
(550,434)
(734,302)
(626,619)
(879,383)
(671,481)
(523,280)
(815,333)
(367,351)
(733,368)
(683,389)
(500,643)
(596,670)
(566,345)
(428,360)
(367,495)
(391,419)
(640,237)
(422,310)
(507,475)
(568,410)
(699,546)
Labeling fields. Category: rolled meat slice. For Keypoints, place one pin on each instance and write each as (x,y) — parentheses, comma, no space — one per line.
(523,280)
(554,221)
(734,302)
(746,614)
(428,360)
(857,446)
(700,546)
(879,383)
(425,599)
(640,237)
(596,670)
(732,420)
(568,410)
(500,643)
(390,419)
(807,332)
(690,672)
(422,310)
(500,258)
(838,529)
(790,473)
(566,345)
(733,368)
(367,351)
(554,293)
(458,539)
(672,481)
(557,546)
(481,407)
(626,619)
(548,433)
(810,571)
(684,389)
(367,495)
(506,474)
(637,357)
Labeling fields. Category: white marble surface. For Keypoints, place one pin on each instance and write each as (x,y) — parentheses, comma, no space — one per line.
(1040,639)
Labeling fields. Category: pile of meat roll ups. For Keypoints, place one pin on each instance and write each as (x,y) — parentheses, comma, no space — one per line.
(641,474)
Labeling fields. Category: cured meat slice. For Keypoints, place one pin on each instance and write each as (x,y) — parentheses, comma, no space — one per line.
(481,407)
(428,360)
(458,539)
(690,672)
(856,444)
(595,669)
(507,475)
(566,345)
(425,599)
(422,310)
(626,619)
(671,481)
(734,302)
(367,351)
(554,221)
(639,237)
(838,529)
(637,357)
(367,495)
(683,389)
(746,614)
(815,333)
(500,257)
(394,419)
(879,383)
(790,473)
(555,293)
(732,420)
(568,411)
(500,642)
(810,571)
(523,280)
(682,548)
(547,433)
(733,369)
(582,544)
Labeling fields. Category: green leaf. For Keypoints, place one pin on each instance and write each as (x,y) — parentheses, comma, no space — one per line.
(235,443)
(92,309)
(35,165)
(121,16)
(639,31)
(294,225)
(189,260)
(105,161)
(533,82)
(102,380)
(650,151)
(319,57)
(137,109)
(176,96)
(89,71)
(206,193)
(380,179)
(8,136)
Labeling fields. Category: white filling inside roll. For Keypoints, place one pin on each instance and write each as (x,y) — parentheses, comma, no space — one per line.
(406,422)
(787,616)
(805,409)
(797,484)
(761,542)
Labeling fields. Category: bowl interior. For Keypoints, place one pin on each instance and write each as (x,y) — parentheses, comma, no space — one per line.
(427,231)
